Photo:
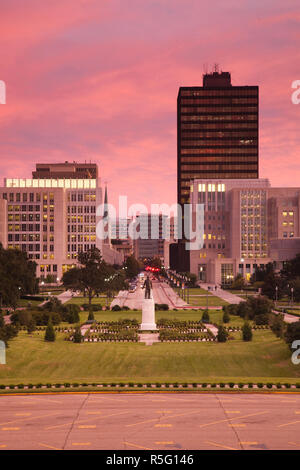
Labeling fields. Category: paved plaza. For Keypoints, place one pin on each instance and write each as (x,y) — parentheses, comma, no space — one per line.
(155,421)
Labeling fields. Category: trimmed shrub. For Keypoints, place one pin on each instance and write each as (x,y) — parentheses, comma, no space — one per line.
(247,332)
(205,317)
(222,334)
(49,333)
(269,385)
(116,308)
(260,385)
(226,317)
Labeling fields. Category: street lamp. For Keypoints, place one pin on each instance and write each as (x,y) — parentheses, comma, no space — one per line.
(276,298)
(292,291)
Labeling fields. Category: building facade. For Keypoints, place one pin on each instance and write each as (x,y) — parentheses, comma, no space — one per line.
(217,132)
(53,219)
(247,224)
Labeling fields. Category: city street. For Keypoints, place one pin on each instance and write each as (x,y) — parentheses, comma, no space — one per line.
(155,421)
(162,294)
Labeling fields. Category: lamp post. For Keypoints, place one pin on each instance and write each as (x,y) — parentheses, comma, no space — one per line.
(292,291)
(276,294)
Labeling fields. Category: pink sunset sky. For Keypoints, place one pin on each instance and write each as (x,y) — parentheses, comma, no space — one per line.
(98,80)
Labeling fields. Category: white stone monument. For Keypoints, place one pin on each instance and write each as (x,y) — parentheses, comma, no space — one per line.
(148,315)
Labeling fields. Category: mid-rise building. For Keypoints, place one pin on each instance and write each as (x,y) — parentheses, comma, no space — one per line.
(217,132)
(247,224)
(52,219)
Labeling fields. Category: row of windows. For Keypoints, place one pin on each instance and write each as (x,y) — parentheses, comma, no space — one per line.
(28,197)
(217,117)
(200,169)
(24,217)
(81,228)
(218,134)
(47,268)
(83,196)
(23,208)
(29,237)
(224,144)
(223,165)
(81,209)
(232,91)
(285,234)
(286,213)
(81,238)
(220,126)
(192,108)
(217,151)
(29,228)
(219,101)
(79,219)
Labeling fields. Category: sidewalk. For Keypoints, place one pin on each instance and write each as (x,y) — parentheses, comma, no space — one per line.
(223,294)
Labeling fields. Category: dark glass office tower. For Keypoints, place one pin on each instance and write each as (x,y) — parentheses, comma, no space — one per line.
(217,131)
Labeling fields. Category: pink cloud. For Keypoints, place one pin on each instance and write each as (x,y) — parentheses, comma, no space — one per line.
(97,80)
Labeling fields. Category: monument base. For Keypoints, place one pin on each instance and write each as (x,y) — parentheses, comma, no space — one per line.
(148,315)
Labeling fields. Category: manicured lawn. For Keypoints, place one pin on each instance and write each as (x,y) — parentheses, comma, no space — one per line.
(198,291)
(84,300)
(45,292)
(210,300)
(293,312)
(31,360)
(107,315)
(216,316)
(25,302)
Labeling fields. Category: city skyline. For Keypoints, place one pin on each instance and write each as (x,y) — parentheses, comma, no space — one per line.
(120,111)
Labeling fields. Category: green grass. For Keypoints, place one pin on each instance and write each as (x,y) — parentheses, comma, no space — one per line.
(293,312)
(107,315)
(31,360)
(85,300)
(210,300)
(25,302)
(216,316)
(198,291)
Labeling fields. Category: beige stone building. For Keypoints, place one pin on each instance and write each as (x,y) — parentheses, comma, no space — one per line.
(247,224)
(54,215)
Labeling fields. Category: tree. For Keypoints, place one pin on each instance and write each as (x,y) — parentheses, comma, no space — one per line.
(205,317)
(222,334)
(17,276)
(277,324)
(292,333)
(31,326)
(247,332)
(49,333)
(226,317)
(238,282)
(291,268)
(90,276)
(132,267)
(77,338)
(295,284)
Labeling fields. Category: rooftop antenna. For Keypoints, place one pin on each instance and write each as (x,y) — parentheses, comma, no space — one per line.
(216,68)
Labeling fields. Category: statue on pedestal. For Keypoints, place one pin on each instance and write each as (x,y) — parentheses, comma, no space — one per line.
(147,286)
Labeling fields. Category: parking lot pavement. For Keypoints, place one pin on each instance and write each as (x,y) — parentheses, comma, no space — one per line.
(156,421)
